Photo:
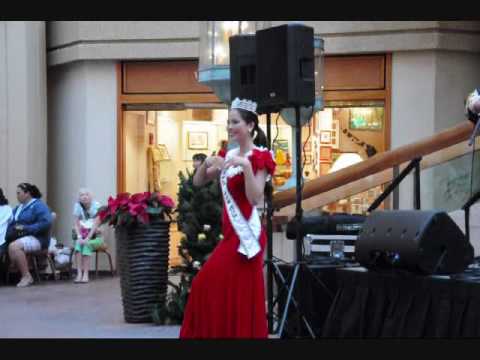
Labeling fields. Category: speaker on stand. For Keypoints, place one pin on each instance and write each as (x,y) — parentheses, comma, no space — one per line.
(285,67)
(243,84)
(278,73)
(286,79)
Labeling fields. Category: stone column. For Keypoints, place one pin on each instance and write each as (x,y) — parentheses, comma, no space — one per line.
(23,105)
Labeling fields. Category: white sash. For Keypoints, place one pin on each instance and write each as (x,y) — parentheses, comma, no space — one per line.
(248,231)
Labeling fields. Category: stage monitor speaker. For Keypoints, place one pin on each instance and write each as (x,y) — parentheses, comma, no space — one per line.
(425,242)
(285,67)
(243,67)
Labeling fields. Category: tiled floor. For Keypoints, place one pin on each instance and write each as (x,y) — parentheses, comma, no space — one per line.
(62,309)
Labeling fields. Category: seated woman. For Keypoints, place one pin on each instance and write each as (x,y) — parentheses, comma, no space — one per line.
(86,232)
(28,230)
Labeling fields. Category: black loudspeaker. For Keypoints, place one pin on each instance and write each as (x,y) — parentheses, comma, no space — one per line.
(418,241)
(243,67)
(285,67)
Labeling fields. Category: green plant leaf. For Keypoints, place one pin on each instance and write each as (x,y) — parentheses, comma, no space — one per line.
(154,211)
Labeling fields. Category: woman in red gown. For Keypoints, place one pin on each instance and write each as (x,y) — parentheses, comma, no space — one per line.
(227,297)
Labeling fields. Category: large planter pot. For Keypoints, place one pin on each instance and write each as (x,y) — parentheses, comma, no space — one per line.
(143,264)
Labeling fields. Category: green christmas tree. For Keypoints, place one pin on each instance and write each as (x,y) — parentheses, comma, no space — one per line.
(200,220)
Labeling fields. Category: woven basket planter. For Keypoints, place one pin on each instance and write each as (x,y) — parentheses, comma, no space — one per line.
(143,264)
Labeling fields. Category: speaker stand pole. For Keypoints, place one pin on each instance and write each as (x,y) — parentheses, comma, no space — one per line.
(269,235)
(299,264)
(298,206)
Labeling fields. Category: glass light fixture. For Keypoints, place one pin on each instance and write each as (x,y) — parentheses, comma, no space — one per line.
(214,57)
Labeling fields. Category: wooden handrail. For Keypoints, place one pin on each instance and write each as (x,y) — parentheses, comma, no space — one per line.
(355,187)
(377,163)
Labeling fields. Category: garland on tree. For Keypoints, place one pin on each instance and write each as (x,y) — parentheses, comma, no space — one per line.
(200,220)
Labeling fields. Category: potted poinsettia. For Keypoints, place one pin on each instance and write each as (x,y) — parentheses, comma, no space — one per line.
(142,223)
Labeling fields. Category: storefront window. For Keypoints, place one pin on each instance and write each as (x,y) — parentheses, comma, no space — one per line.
(343,134)
(160,144)
(348,133)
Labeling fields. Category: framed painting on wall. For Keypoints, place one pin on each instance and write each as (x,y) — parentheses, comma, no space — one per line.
(370,118)
(197,140)
(326,137)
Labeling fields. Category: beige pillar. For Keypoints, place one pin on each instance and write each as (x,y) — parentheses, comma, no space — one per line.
(23,105)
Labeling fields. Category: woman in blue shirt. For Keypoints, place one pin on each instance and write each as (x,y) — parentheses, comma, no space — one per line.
(28,230)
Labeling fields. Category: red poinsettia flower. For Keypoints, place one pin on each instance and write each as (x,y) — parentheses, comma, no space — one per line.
(113,205)
(123,198)
(139,206)
(136,208)
(140,198)
(166,201)
(103,213)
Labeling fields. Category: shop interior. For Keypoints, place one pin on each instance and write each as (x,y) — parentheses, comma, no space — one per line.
(339,136)
(160,144)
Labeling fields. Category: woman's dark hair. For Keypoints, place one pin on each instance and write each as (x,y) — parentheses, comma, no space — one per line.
(31,189)
(3,199)
(259,138)
(199,157)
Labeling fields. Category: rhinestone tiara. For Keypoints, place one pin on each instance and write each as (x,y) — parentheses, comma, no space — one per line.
(244,104)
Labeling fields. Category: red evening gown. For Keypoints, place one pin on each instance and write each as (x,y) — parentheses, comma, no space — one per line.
(227,297)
